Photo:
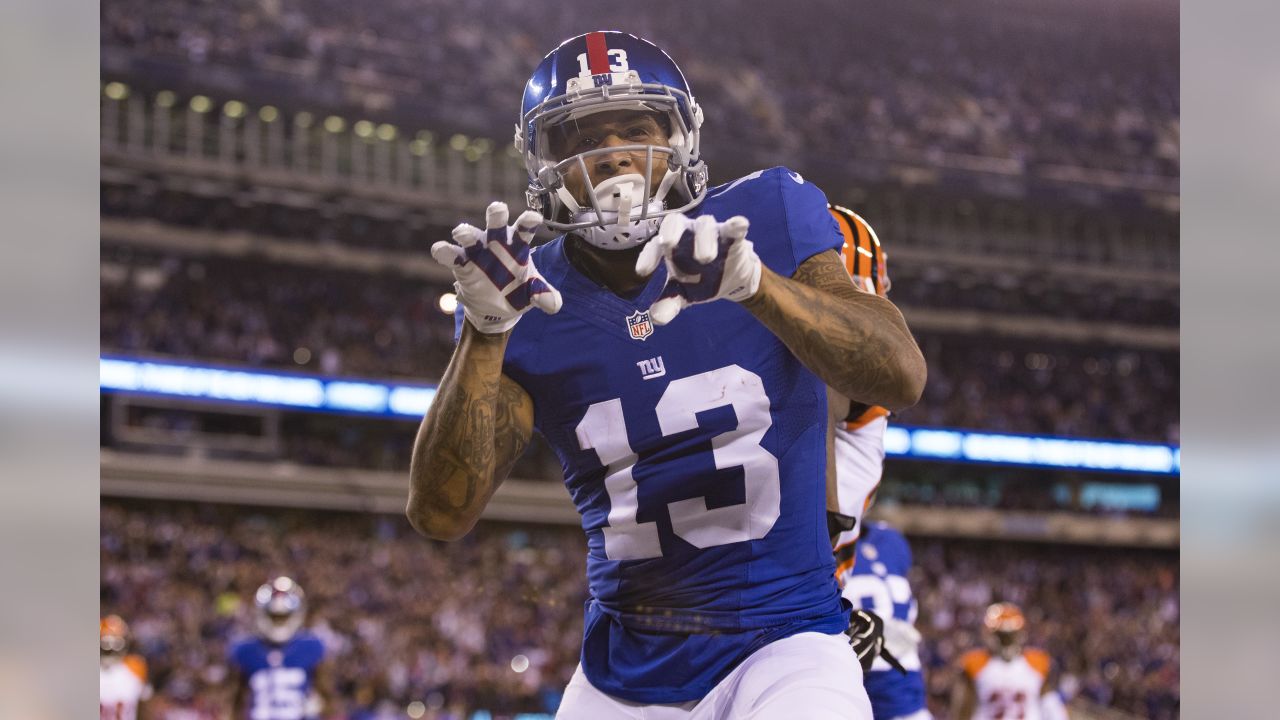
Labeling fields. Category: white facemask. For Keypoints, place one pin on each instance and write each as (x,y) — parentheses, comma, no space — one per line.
(621,202)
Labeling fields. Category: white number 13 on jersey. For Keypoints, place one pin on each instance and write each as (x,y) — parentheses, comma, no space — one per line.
(603,429)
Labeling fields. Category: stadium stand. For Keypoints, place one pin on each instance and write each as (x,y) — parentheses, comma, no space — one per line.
(441,623)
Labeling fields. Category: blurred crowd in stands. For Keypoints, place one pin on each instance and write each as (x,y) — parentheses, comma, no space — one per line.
(1037,386)
(914,284)
(1033,293)
(406,619)
(1080,83)
(336,322)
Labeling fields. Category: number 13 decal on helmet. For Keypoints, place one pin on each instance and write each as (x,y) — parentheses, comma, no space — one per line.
(617,64)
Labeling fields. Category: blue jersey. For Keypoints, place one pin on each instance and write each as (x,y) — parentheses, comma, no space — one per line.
(280,677)
(878,582)
(695,453)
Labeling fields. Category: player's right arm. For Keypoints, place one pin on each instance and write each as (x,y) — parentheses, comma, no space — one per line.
(478,425)
(480,420)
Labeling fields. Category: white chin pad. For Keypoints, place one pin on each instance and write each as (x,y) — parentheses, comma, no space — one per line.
(621,200)
(620,194)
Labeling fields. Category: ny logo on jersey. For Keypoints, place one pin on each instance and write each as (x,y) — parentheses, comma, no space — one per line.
(639,325)
(653,368)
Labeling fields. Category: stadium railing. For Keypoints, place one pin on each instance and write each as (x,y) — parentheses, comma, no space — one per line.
(131,475)
(233,142)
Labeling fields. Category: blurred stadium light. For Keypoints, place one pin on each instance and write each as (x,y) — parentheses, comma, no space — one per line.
(345,395)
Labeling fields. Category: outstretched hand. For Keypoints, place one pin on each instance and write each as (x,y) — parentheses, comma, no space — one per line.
(706,261)
(495,278)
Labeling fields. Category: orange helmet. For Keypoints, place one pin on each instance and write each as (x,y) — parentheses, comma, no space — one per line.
(863,257)
(1004,617)
(113,635)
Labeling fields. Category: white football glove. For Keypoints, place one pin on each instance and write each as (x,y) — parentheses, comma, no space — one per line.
(705,261)
(496,280)
(900,637)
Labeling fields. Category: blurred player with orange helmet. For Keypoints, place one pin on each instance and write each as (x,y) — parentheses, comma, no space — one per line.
(1006,679)
(122,677)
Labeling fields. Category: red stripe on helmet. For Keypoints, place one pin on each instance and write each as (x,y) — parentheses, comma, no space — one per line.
(597,54)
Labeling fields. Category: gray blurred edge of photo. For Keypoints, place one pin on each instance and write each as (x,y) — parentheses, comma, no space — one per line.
(1231,497)
(49,169)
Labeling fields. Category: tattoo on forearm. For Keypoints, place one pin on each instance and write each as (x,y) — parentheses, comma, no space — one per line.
(469,439)
(851,339)
(510,432)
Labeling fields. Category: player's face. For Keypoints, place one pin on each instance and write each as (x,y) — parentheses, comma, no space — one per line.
(111,649)
(1005,642)
(611,129)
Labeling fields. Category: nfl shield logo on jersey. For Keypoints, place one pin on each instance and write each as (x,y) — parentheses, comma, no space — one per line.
(639,325)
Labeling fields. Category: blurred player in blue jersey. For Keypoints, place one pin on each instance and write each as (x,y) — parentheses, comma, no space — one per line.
(873,559)
(678,367)
(877,581)
(280,670)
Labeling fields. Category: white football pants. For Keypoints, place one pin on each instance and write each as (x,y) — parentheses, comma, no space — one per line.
(811,675)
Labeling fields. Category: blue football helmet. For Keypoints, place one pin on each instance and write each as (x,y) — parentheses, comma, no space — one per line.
(280,608)
(598,72)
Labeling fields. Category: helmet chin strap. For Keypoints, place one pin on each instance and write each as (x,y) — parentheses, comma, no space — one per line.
(621,202)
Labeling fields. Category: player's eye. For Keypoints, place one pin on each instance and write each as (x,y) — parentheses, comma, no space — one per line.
(585,142)
(639,132)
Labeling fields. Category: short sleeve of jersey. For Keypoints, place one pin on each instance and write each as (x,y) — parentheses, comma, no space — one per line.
(137,665)
(810,227)
(1039,660)
(973,661)
(310,651)
(235,654)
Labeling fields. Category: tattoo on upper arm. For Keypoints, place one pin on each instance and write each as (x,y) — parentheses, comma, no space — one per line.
(830,331)
(824,271)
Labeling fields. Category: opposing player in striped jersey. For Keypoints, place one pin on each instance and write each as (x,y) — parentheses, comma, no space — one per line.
(1006,680)
(123,689)
(873,559)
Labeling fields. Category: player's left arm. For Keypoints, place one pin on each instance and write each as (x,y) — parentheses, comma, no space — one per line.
(138,665)
(856,342)
(239,694)
(1050,682)
(325,682)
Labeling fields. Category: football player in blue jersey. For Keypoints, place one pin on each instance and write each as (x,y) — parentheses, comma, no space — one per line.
(677,367)
(877,581)
(280,671)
